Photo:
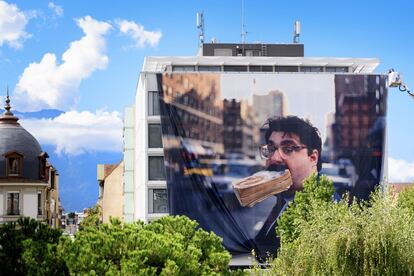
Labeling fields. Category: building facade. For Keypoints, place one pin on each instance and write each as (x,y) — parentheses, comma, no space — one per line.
(144,183)
(110,178)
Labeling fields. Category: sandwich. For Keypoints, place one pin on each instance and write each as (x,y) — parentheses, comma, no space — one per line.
(261,185)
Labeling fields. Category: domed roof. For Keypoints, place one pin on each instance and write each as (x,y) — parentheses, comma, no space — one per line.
(14,138)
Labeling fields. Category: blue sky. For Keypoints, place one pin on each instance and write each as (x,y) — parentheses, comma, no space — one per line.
(45,61)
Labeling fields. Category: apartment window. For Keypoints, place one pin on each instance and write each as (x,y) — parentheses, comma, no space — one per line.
(235,68)
(311,69)
(153,103)
(158,201)
(340,69)
(183,68)
(154,136)
(14,164)
(156,168)
(286,68)
(207,68)
(13,204)
(39,203)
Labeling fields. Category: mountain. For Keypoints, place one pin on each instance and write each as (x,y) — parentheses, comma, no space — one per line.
(44,113)
(78,186)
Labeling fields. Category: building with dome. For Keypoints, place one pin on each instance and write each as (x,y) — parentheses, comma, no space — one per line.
(28,182)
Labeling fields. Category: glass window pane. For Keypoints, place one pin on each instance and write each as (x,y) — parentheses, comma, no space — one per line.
(153,103)
(154,136)
(156,168)
(337,69)
(13,204)
(183,68)
(255,68)
(235,68)
(209,68)
(223,52)
(158,200)
(311,69)
(39,204)
(286,68)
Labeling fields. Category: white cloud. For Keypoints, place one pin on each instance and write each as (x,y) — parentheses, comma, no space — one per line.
(48,84)
(58,10)
(77,132)
(12,25)
(400,170)
(137,32)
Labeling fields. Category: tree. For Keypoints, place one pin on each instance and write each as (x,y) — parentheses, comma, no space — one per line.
(93,218)
(168,246)
(29,247)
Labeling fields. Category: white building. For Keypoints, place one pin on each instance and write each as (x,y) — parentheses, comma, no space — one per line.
(145,195)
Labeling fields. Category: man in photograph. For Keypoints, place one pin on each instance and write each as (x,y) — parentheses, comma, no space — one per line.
(291,143)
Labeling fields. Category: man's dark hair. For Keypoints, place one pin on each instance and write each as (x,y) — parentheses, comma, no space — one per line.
(308,134)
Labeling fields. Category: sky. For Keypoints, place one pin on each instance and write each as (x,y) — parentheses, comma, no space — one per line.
(83,58)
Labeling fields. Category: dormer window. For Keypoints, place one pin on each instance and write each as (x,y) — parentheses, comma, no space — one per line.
(14,164)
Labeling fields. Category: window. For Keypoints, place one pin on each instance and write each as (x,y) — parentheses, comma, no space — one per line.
(14,164)
(158,201)
(156,168)
(39,203)
(260,68)
(208,68)
(183,68)
(235,68)
(253,53)
(286,68)
(267,68)
(13,204)
(311,69)
(255,68)
(337,69)
(154,136)
(153,103)
(223,52)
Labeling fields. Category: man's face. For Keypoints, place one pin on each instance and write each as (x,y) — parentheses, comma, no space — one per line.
(300,164)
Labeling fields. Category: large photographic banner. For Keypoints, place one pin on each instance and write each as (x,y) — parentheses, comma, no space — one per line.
(234,171)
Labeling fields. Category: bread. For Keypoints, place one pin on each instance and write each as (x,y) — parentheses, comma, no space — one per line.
(261,185)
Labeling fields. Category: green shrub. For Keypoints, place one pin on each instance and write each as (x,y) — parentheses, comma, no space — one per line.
(336,239)
(315,193)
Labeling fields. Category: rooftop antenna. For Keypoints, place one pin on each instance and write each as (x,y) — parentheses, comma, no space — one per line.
(200,27)
(296,32)
(243,32)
